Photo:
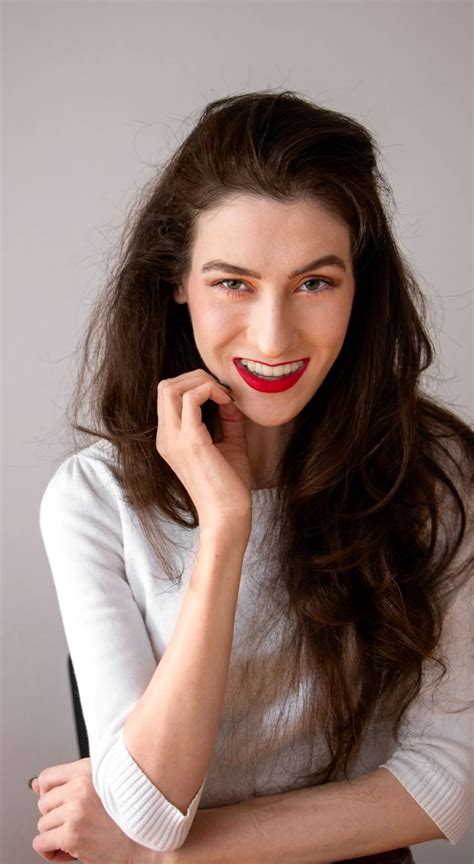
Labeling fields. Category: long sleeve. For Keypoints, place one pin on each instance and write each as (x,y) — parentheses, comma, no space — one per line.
(80,523)
(434,758)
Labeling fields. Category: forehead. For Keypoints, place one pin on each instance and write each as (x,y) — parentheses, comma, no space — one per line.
(247,223)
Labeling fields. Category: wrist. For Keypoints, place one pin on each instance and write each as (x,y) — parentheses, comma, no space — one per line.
(233,533)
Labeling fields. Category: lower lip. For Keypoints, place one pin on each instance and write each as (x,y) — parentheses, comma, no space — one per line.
(270,385)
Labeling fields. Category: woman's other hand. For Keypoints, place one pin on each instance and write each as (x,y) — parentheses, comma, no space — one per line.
(57,774)
(74,824)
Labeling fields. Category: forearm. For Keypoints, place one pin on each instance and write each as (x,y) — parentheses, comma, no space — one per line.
(337,821)
(317,825)
(172,730)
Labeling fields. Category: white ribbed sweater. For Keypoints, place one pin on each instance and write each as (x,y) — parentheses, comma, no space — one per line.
(118,618)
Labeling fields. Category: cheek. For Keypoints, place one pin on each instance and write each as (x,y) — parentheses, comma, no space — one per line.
(213,320)
(329,330)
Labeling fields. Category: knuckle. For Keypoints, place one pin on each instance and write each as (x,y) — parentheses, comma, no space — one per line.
(195,391)
(86,766)
(83,783)
(79,788)
(77,809)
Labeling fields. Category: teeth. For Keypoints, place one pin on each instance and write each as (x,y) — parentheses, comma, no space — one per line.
(274,372)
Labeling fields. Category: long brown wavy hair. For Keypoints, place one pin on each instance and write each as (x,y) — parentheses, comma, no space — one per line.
(370,513)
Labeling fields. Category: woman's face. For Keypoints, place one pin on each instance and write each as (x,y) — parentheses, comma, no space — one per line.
(272,315)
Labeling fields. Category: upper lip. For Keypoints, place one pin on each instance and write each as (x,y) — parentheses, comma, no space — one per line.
(282,363)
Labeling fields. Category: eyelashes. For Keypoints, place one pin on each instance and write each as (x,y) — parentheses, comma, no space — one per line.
(222,285)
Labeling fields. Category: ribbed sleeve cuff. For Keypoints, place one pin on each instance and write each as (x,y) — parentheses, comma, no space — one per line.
(137,805)
(445,801)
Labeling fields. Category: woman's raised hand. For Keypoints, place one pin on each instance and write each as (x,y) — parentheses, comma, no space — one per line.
(218,477)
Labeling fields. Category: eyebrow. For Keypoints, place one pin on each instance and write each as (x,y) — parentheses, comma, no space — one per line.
(236,268)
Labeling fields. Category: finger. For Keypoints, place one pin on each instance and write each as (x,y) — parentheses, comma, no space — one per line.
(52,799)
(50,777)
(180,381)
(170,400)
(59,855)
(169,404)
(52,818)
(233,421)
(169,410)
(48,845)
(191,416)
(184,382)
(56,775)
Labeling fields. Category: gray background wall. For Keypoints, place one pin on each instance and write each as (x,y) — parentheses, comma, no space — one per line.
(94,93)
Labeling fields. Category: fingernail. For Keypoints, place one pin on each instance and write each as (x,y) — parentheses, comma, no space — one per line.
(30,781)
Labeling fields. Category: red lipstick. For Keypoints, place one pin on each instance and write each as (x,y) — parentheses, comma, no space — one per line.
(269,385)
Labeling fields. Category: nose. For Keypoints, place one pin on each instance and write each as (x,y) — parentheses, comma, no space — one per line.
(274,330)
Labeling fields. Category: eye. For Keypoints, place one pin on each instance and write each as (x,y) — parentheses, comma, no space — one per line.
(224,283)
(328,284)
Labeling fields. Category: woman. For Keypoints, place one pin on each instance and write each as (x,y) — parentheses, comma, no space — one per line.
(262,562)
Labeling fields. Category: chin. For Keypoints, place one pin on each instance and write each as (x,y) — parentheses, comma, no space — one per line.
(269,419)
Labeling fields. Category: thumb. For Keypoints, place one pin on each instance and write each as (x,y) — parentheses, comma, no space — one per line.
(232,422)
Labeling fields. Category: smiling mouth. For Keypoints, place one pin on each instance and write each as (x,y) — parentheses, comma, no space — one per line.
(271,365)
(270,383)
(255,368)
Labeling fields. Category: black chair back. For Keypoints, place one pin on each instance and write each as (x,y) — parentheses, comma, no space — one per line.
(81,731)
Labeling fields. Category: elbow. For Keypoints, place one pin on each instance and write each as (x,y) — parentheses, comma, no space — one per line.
(159,827)
(136,805)
(446,802)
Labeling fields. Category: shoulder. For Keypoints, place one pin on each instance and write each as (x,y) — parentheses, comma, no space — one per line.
(83,481)
(454,459)
(457,460)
